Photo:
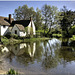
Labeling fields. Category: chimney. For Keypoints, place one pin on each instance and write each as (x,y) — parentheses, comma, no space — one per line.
(30,18)
(9,18)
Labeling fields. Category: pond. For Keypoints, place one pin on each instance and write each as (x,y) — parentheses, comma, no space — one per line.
(50,57)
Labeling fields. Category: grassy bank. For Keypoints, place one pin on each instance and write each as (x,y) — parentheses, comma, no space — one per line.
(6,41)
(36,39)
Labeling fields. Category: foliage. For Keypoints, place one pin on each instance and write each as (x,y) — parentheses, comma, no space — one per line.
(56,31)
(72,38)
(35,39)
(4,40)
(72,30)
(66,21)
(12,72)
(41,33)
(48,14)
(38,19)
(57,35)
(8,35)
(23,12)
(15,36)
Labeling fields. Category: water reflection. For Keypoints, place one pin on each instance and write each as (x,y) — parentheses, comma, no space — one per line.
(49,54)
(50,60)
(4,49)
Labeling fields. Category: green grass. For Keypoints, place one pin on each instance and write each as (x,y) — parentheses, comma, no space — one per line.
(36,39)
(6,41)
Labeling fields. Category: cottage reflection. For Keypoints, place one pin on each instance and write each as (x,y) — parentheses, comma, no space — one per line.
(4,49)
(23,49)
(23,45)
(31,49)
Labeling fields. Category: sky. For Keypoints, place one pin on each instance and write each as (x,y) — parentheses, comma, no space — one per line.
(8,7)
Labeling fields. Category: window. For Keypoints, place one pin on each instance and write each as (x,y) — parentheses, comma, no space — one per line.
(15,31)
(4,26)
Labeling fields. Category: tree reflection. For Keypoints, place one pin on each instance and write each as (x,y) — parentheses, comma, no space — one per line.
(50,53)
(51,60)
(65,42)
(66,52)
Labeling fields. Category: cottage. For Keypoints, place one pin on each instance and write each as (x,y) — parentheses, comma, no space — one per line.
(16,27)
(19,30)
(29,24)
(3,26)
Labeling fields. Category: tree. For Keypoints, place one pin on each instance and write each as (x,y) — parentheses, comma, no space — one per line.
(22,13)
(49,16)
(66,21)
(38,20)
(45,14)
(53,17)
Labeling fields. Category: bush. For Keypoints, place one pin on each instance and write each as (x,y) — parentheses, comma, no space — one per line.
(12,72)
(8,35)
(4,40)
(57,35)
(72,30)
(73,38)
(15,36)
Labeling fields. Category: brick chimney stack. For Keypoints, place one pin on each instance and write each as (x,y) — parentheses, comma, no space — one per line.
(9,18)
(30,18)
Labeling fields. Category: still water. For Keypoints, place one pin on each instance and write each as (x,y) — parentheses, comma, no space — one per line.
(50,57)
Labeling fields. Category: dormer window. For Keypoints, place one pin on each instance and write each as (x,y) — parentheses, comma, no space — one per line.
(4,26)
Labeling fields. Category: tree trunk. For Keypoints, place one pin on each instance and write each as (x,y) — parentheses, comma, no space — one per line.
(49,30)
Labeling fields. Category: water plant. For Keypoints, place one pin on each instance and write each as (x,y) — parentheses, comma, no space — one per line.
(12,72)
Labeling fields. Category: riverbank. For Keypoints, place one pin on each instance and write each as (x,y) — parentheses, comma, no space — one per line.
(6,41)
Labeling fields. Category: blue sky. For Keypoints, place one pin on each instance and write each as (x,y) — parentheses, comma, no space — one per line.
(8,7)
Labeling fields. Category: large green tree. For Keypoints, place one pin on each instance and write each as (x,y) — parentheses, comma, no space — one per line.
(67,18)
(38,19)
(22,13)
(49,16)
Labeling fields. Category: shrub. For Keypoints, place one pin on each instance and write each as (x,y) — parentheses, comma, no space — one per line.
(15,36)
(12,72)
(72,30)
(8,35)
(4,40)
(73,37)
(57,35)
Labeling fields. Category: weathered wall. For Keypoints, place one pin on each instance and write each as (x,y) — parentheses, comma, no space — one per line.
(19,33)
(33,27)
(3,30)
(22,33)
(13,30)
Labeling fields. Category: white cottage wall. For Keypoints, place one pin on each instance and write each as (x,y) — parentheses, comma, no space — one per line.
(33,26)
(13,30)
(22,34)
(29,26)
(3,29)
(19,33)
